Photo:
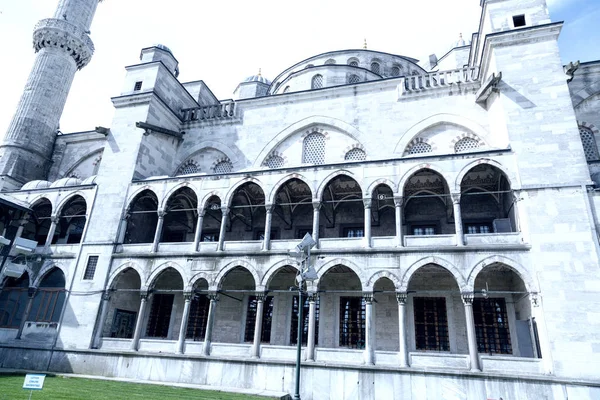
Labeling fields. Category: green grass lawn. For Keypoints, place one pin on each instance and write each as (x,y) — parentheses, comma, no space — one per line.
(58,387)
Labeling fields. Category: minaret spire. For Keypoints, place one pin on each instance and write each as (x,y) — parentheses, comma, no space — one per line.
(63,46)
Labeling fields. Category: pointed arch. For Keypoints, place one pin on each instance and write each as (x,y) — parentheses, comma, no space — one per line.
(434,120)
(233,188)
(200,275)
(216,284)
(331,177)
(235,155)
(41,197)
(162,268)
(512,180)
(383,181)
(91,154)
(275,268)
(305,124)
(46,268)
(382,274)
(67,199)
(407,175)
(123,267)
(585,93)
(170,192)
(460,280)
(133,196)
(325,267)
(271,198)
(520,270)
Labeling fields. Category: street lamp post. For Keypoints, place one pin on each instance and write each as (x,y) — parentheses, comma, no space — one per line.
(306,274)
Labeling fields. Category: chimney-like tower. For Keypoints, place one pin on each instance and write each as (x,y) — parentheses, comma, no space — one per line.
(63,46)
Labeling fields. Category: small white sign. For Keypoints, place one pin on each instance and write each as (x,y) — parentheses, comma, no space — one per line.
(34,381)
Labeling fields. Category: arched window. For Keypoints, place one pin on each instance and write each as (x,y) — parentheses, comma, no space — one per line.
(13,301)
(353,62)
(331,61)
(71,222)
(375,67)
(317,82)
(355,154)
(353,78)
(274,162)
(395,70)
(420,148)
(223,167)
(314,149)
(188,167)
(49,298)
(589,144)
(465,144)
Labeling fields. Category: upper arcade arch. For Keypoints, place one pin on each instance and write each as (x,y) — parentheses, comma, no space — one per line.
(283,181)
(510,177)
(530,283)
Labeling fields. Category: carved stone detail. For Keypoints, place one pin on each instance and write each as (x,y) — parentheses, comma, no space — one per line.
(62,34)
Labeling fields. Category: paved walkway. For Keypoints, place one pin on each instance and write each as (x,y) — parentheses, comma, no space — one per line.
(255,392)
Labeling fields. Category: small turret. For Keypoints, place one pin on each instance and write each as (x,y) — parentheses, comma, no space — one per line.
(252,86)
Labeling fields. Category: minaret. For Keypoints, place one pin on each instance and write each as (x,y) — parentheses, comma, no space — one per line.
(63,46)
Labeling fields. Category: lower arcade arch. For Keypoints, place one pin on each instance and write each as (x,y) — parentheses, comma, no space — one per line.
(123,305)
(13,301)
(165,305)
(385,318)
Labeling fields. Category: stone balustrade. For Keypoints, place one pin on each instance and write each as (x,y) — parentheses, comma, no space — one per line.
(439,79)
(212,112)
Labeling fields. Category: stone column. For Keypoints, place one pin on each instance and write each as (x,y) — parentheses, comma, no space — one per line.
(399,215)
(402,348)
(187,296)
(140,321)
(368,298)
(214,297)
(22,224)
(260,302)
(316,214)
(310,340)
(268,218)
(471,336)
(51,231)
(457,219)
(225,211)
(198,234)
(30,296)
(367,238)
(158,233)
(103,311)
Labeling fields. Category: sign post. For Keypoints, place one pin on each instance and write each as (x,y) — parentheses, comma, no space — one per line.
(34,382)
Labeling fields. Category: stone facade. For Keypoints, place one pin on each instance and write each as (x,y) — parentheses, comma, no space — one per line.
(454,209)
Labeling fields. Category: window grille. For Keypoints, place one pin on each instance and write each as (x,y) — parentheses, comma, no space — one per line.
(353,78)
(223,167)
(198,318)
(491,326)
(160,315)
(420,148)
(431,323)
(189,167)
(317,82)
(465,144)
(267,318)
(375,67)
(305,316)
(589,144)
(395,70)
(123,324)
(49,304)
(355,154)
(314,149)
(138,86)
(90,269)
(353,63)
(330,61)
(274,162)
(352,322)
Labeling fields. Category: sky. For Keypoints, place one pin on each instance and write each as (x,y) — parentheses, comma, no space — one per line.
(222,42)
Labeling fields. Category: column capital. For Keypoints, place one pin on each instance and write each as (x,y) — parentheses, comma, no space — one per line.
(455,198)
(398,201)
(161,213)
(260,296)
(31,292)
(213,296)
(144,294)
(367,201)
(312,296)
(269,207)
(187,296)
(54,219)
(401,297)
(368,297)
(106,295)
(535,299)
(225,210)
(201,211)
(467,298)
(316,204)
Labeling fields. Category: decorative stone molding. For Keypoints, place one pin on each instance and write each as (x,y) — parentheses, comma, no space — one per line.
(589,126)
(467,298)
(352,147)
(315,130)
(452,144)
(273,154)
(401,297)
(416,141)
(62,34)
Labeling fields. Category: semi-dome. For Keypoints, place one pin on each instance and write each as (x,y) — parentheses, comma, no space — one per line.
(66,182)
(31,185)
(89,181)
